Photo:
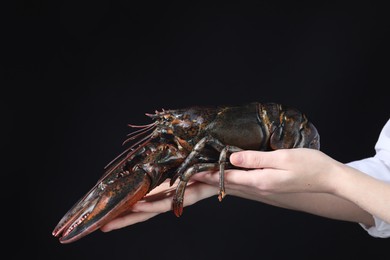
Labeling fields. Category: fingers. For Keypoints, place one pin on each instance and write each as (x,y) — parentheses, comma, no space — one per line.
(258,159)
(158,206)
(194,192)
(232,177)
(154,205)
(127,220)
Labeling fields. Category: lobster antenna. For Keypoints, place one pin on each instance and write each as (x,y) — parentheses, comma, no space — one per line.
(142,126)
(128,149)
(140,131)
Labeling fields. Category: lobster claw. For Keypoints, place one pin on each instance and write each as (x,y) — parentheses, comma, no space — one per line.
(105,201)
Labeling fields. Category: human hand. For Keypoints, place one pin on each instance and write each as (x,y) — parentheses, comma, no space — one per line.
(158,201)
(280,171)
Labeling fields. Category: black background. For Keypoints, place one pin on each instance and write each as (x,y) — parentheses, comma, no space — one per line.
(77,73)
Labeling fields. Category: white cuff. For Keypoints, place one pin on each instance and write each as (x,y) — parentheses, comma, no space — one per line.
(381,228)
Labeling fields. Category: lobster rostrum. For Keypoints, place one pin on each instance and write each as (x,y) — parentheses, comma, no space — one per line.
(178,144)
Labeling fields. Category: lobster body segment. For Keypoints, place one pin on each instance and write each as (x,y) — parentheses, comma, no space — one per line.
(267,126)
(178,144)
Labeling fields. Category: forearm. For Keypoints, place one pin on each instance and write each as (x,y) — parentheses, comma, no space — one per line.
(365,191)
(349,195)
(321,204)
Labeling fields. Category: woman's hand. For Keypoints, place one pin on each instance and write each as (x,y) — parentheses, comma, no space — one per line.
(300,179)
(158,201)
(280,171)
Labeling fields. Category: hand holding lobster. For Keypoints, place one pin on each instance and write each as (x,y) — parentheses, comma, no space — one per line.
(264,175)
(300,179)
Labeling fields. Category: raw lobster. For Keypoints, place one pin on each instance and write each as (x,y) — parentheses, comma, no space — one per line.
(180,143)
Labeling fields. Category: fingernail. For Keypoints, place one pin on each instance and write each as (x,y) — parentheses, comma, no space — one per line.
(236,159)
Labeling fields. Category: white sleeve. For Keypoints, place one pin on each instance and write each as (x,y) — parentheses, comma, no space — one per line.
(379,168)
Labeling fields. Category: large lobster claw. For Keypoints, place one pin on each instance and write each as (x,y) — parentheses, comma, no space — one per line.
(109,198)
(128,178)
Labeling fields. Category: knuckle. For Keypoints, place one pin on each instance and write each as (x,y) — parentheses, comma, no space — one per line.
(253,159)
(283,156)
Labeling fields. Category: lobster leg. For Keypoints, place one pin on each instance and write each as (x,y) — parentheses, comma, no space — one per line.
(198,148)
(222,164)
(185,171)
(178,197)
(191,158)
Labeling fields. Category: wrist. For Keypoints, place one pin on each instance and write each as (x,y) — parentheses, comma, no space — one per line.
(335,179)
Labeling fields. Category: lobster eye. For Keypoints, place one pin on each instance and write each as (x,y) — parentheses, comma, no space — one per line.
(192,131)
